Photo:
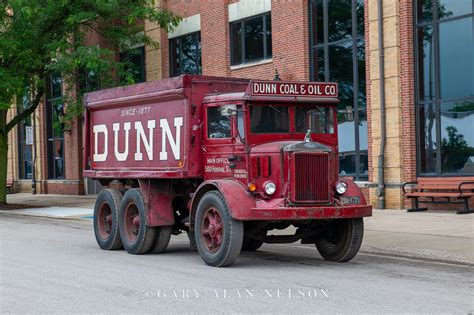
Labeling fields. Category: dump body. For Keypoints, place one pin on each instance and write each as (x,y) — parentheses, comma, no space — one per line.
(149,130)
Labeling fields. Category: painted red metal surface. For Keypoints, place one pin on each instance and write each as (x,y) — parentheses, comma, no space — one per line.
(157,135)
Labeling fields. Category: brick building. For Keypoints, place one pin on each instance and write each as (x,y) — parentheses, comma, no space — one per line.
(427,52)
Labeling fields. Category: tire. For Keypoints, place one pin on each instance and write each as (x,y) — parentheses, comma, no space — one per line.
(342,240)
(137,238)
(162,239)
(106,226)
(213,222)
(250,244)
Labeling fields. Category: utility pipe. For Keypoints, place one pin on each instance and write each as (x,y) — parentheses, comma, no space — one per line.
(380,165)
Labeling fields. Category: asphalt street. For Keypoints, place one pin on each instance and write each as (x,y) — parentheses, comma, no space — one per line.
(49,265)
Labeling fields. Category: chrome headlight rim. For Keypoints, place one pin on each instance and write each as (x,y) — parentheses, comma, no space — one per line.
(341,187)
(270,188)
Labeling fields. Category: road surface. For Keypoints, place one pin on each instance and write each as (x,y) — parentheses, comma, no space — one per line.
(51,265)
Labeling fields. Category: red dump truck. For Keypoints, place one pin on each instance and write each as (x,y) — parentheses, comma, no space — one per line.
(225,160)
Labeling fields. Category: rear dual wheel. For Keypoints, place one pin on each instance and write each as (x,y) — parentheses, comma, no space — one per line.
(137,237)
(106,227)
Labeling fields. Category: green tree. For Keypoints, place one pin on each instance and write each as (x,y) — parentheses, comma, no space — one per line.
(44,37)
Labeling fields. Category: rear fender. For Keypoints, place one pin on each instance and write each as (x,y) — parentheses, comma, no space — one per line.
(158,206)
(238,199)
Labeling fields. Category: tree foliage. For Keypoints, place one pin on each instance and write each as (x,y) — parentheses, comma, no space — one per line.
(41,37)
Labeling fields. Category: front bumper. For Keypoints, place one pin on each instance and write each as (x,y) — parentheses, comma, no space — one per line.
(305,213)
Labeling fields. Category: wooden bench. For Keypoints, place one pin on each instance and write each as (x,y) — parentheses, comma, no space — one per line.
(9,184)
(449,188)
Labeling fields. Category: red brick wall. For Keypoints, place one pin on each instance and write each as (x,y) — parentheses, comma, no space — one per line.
(289,40)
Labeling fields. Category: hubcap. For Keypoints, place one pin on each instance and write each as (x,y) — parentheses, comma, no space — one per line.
(104,220)
(132,222)
(212,230)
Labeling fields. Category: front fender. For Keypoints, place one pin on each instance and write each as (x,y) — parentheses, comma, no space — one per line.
(238,199)
(354,190)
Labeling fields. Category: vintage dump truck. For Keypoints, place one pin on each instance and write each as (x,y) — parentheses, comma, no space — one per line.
(225,160)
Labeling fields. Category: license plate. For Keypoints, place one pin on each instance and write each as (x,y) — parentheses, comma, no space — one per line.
(347,200)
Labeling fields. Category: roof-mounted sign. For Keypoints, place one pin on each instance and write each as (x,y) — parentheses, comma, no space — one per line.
(281,88)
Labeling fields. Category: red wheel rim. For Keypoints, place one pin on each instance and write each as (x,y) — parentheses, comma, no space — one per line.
(212,230)
(104,220)
(132,222)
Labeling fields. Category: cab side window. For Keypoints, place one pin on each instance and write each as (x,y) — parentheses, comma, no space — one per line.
(218,125)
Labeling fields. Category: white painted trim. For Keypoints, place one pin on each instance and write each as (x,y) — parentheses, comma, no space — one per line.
(251,64)
(188,25)
(246,8)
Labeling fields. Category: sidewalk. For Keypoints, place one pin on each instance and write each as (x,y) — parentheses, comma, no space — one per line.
(438,236)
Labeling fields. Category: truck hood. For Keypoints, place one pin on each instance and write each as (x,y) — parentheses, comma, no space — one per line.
(290,146)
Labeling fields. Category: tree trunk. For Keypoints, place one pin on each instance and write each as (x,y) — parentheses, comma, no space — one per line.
(3,167)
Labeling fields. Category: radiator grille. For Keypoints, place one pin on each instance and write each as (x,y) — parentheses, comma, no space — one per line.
(311,178)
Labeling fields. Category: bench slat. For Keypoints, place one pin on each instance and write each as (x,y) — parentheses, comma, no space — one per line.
(438,194)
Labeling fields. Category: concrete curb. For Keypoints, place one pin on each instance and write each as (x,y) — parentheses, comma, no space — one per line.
(417,254)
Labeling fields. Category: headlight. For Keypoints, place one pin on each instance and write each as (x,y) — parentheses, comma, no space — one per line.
(270,188)
(341,188)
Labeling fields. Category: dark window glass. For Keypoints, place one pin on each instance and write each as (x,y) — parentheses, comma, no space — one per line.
(426,63)
(253,33)
(134,69)
(424,11)
(218,123)
(360,18)
(55,128)
(339,20)
(457,137)
(25,144)
(341,58)
(318,119)
(445,84)
(240,123)
(251,39)
(185,54)
(268,35)
(269,119)
(427,138)
(456,56)
(452,8)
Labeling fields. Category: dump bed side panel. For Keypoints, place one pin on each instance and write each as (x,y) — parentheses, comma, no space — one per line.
(140,138)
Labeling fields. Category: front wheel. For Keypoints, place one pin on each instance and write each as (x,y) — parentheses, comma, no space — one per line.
(218,236)
(342,240)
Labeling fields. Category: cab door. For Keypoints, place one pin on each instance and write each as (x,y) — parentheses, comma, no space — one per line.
(223,148)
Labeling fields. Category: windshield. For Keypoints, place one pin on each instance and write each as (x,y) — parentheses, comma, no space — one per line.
(274,119)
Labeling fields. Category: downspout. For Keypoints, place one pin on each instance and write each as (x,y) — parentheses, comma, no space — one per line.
(380,165)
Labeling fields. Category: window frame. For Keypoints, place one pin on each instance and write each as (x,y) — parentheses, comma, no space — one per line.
(22,145)
(437,100)
(172,54)
(244,60)
(50,136)
(124,56)
(325,45)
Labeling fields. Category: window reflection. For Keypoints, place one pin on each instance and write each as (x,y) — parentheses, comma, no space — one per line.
(445,86)
(457,137)
(218,125)
(345,50)
(185,54)
(456,55)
